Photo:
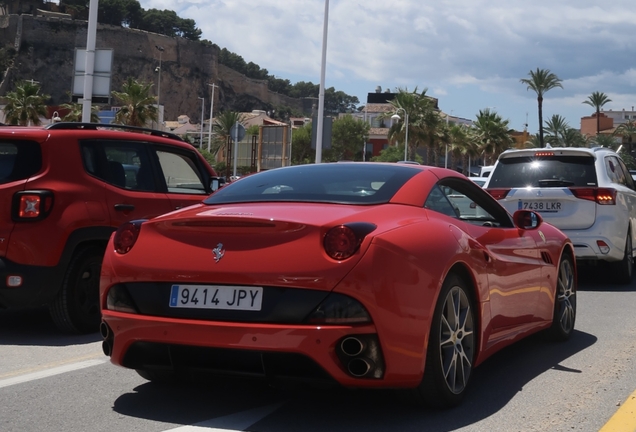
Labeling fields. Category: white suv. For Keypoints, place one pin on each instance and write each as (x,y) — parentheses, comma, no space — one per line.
(588,194)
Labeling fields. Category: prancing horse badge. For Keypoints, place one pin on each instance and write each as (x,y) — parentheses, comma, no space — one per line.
(218,252)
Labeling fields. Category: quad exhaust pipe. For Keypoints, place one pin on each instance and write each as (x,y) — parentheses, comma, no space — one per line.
(361,356)
(352,346)
(107,334)
(359,366)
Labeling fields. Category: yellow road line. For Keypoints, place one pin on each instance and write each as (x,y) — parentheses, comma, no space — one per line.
(624,420)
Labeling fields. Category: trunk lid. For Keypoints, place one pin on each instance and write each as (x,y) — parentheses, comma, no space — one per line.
(277,244)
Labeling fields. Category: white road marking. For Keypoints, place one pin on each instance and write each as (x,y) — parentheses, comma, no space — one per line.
(231,423)
(49,372)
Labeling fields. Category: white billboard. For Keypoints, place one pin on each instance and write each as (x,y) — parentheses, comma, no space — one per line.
(101,75)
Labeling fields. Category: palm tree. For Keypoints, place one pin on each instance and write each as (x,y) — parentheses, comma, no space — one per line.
(424,124)
(541,81)
(493,136)
(75,112)
(25,105)
(462,145)
(597,100)
(138,105)
(222,126)
(556,128)
(603,140)
(627,131)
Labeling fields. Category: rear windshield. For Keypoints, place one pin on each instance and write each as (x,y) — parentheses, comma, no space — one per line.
(548,171)
(19,160)
(344,183)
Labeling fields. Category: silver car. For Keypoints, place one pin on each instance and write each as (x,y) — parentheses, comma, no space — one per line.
(589,194)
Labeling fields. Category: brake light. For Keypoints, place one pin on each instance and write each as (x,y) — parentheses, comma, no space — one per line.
(126,236)
(602,196)
(498,193)
(31,205)
(342,241)
(537,154)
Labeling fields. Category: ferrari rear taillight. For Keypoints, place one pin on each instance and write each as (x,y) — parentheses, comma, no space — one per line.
(498,193)
(342,241)
(602,196)
(126,236)
(32,205)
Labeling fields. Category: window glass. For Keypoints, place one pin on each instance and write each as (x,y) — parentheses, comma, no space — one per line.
(344,183)
(19,160)
(463,199)
(122,164)
(613,170)
(543,171)
(181,173)
(438,201)
(629,180)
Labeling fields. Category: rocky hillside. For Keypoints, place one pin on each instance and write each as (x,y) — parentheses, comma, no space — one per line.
(44,51)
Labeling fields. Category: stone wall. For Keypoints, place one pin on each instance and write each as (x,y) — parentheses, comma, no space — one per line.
(46,51)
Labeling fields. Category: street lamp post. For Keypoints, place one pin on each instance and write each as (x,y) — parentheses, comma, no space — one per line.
(211,116)
(406,134)
(202,114)
(446,154)
(160,48)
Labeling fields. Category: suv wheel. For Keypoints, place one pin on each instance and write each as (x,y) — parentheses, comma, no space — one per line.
(75,309)
(624,269)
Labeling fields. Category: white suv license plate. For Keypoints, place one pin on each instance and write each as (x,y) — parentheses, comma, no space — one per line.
(541,206)
(216,297)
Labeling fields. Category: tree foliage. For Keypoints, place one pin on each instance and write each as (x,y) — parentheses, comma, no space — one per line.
(25,105)
(493,134)
(302,153)
(137,104)
(348,136)
(75,112)
(540,82)
(597,100)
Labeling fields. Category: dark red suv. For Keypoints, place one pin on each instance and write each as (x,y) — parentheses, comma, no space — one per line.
(64,189)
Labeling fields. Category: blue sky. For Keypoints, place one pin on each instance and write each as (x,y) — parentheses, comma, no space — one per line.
(470,54)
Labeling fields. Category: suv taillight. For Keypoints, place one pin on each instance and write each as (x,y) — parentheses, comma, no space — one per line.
(31,205)
(602,196)
(498,193)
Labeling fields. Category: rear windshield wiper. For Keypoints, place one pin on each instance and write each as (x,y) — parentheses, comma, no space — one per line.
(554,182)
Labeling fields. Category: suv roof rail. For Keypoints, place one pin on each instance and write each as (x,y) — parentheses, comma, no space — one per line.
(95,126)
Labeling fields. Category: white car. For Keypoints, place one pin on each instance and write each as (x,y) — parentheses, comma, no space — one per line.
(588,194)
(481,181)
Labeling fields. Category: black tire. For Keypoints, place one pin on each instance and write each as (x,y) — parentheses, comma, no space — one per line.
(564,315)
(168,377)
(624,269)
(451,348)
(75,309)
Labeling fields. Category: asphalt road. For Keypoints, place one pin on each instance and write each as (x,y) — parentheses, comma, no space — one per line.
(52,382)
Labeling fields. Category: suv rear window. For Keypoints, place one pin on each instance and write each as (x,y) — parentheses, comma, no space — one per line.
(544,171)
(19,160)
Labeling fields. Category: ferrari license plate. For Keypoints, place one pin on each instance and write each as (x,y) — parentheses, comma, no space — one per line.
(541,206)
(216,297)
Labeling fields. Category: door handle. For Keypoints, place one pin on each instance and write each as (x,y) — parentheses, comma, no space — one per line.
(124,207)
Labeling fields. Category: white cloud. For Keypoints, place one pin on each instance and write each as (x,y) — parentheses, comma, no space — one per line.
(462,50)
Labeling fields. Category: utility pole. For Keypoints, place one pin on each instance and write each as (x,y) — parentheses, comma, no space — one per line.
(211,117)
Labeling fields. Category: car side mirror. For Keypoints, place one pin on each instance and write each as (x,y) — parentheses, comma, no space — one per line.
(527,219)
(216,183)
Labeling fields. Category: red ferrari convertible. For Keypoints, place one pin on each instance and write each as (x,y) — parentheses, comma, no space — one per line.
(361,274)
